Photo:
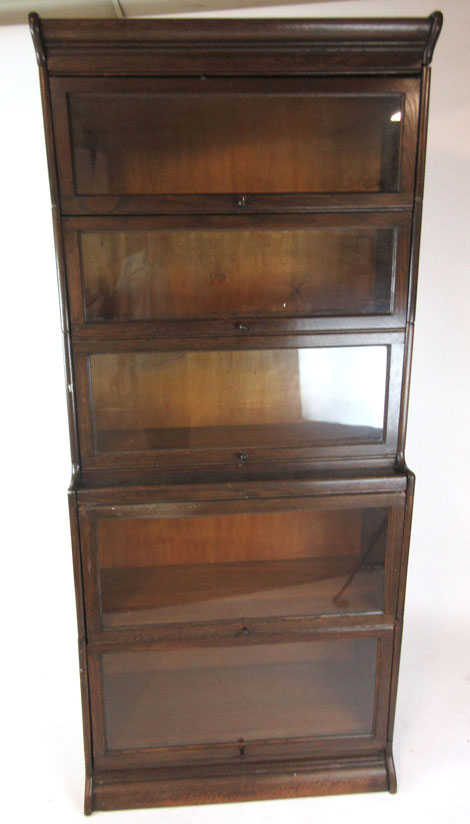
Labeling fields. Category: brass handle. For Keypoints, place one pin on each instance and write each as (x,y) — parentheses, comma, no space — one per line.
(241,201)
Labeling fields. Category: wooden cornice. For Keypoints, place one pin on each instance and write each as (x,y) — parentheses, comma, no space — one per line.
(224,47)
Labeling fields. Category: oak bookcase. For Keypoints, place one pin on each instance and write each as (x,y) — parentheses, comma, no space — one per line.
(237,208)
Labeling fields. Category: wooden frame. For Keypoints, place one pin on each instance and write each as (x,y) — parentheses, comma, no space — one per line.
(73,203)
(290,57)
(240,47)
(255,750)
(89,517)
(84,329)
(257,454)
(127,789)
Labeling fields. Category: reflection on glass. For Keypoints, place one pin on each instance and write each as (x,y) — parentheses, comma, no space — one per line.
(180,143)
(242,565)
(227,694)
(201,399)
(200,273)
(335,385)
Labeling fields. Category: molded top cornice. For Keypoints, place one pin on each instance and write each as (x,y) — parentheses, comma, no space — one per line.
(225,47)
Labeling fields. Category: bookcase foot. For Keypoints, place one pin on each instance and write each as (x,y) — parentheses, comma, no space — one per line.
(88,802)
(390,764)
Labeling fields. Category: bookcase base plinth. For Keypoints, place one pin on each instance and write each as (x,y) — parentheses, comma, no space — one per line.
(129,790)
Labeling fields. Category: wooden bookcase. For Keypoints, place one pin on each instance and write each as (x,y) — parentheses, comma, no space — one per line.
(237,208)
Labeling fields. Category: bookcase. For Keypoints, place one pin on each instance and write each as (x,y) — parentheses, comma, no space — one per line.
(237,208)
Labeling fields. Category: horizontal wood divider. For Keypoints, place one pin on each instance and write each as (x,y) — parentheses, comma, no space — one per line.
(139,343)
(223,204)
(249,632)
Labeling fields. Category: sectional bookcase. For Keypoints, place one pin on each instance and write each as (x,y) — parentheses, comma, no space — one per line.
(237,208)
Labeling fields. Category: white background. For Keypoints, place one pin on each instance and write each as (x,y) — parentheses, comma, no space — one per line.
(41,721)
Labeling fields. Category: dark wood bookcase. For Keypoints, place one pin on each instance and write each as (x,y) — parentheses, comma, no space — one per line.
(237,209)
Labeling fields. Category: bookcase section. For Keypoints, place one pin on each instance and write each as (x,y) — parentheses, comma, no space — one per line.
(237,209)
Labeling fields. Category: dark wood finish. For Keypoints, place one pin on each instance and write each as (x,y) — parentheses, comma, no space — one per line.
(223,695)
(275,630)
(82,647)
(99,489)
(232,202)
(436,26)
(182,562)
(139,595)
(228,47)
(114,295)
(401,604)
(419,188)
(391,773)
(97,176)
(405,395)
(35,27)
(229,440)
(247,386)
(312,641)
(250,137)
(308,777)
(110,288)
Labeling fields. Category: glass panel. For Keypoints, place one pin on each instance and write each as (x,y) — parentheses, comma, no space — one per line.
(239,693)
(285,397)
(252,565)
(179,143)
(181,273)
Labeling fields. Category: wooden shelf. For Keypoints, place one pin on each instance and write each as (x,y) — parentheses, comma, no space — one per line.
(145,595)
(308,433)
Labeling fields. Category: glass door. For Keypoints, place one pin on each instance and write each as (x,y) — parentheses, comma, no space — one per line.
(238,701)
(189,562)
(233,140)
(208,273)
(331,394)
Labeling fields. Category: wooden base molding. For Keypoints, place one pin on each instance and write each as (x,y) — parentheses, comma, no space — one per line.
(131,790)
